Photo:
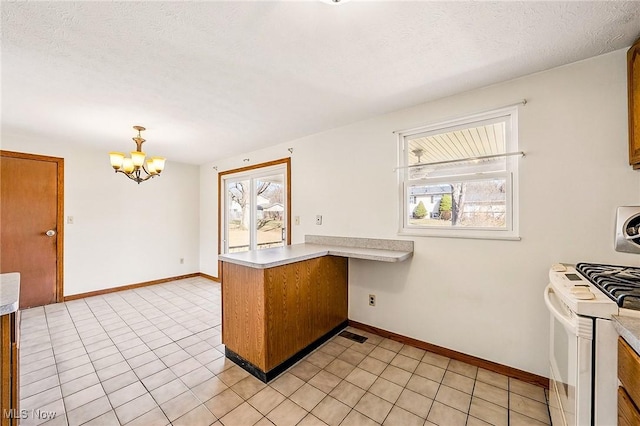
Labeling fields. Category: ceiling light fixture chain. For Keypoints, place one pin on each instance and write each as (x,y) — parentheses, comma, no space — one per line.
(134,166)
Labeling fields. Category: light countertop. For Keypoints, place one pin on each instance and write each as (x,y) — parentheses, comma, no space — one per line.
(355,248)
(9,292)
(629,328)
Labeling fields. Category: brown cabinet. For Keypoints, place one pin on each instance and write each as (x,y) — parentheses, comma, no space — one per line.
(272,317)
(9,374)
(629,392)
(633,85)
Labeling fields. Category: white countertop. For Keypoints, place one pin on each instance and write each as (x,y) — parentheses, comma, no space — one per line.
(629,328)
(9,292)
(269,258)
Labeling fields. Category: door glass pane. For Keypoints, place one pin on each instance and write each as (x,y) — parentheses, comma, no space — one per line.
(238,215)
(270,211)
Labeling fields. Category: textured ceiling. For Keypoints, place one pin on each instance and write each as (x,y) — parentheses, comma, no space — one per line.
(214,79)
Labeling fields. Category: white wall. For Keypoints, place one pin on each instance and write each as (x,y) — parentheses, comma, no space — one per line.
(123,233)
(479,297)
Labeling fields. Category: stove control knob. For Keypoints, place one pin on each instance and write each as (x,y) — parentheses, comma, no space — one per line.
(558,267)
(582,293)
(585,295)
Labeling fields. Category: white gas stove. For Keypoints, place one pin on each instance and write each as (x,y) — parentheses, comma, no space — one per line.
(583,356)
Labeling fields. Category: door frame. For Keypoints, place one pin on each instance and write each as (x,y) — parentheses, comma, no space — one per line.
(287,162)
(59,213)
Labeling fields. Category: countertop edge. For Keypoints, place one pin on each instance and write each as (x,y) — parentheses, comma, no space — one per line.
(9,292)
(401,256)
(9,308)
(305,251)
(256,265)
(629,329)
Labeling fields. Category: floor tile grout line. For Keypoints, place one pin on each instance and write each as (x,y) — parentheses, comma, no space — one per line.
(508,401)
(56,362)
(92,365)
(475,381)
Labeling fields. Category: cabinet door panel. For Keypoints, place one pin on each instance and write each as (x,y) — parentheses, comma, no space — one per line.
(629,370)
(628,414)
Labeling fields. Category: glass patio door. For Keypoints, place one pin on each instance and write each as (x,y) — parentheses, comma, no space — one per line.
(255,208)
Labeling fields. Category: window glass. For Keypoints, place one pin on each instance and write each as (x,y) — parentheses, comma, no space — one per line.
(474,203)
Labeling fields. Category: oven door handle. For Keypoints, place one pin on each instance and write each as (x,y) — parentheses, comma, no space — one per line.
(565,320)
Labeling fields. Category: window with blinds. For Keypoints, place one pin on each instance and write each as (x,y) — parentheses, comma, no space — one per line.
(459,178)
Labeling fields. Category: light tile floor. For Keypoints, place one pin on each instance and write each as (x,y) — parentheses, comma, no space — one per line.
(153,356)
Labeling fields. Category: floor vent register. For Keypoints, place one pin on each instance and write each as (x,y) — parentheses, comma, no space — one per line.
(352,336)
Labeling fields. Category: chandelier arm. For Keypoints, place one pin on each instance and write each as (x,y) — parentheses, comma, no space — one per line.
(146,178)
(135,178)
(129,175)
(132,176)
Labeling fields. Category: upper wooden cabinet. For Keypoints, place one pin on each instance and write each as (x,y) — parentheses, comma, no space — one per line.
(633,84)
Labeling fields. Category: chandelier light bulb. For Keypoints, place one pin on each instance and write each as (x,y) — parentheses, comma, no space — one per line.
(151,167)
(158,163)
(116,159)
(127,165)
(138,158)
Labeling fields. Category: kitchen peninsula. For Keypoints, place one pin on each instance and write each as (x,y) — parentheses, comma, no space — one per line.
(280,304)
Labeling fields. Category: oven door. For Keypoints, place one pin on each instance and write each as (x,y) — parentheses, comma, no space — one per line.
(570,356)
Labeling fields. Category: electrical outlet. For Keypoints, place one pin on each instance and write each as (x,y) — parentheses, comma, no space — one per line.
(372,300)
(182,260)
(297,220)
(319,219)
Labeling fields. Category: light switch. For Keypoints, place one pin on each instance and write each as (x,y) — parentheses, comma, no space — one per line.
(297,220)
(319,219)
(70,220)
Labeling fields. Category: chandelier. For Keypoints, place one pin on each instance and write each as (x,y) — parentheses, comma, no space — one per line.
(134,166)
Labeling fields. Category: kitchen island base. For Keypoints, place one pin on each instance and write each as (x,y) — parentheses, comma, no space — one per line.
(274,372)
(272,317)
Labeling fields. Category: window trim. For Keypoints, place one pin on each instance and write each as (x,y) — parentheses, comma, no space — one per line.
(511,232)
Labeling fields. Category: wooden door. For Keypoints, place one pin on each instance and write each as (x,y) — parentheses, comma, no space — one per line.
(31,225)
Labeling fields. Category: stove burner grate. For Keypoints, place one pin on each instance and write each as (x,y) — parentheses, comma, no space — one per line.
(620,283)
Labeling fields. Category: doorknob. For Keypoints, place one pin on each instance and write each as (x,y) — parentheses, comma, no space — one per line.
(50,233)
